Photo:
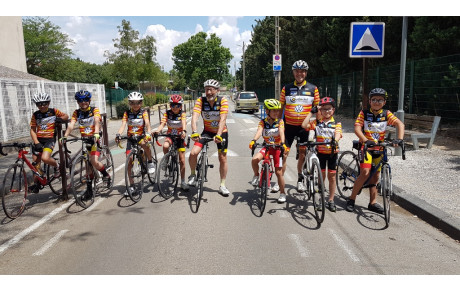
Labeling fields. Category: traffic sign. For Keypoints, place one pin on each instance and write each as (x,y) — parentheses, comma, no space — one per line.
(367,39)
(276,62)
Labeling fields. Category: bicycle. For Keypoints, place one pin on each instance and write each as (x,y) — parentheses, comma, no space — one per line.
(168,172)
(15,185)
(136,167)
(349,170)
(85,179)
(312,176)
(265,173)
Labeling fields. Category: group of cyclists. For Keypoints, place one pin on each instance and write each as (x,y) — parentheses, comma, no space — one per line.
(286,119)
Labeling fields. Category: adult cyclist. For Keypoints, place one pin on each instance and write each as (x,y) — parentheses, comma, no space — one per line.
(297,99)
(214,110)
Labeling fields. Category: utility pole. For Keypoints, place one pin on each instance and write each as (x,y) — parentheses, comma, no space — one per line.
(244,71)
(402,78)
(277,51)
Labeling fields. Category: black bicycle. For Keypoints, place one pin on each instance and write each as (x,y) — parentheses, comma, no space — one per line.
(348,171)
(136,167)
(168,171)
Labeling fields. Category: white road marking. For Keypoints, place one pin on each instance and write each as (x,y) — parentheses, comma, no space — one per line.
(50,243)
(248,120)
(344,246)
(230,121)
(297,240)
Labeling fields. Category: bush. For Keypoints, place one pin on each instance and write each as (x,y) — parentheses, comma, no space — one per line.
(149,99)
(122,107)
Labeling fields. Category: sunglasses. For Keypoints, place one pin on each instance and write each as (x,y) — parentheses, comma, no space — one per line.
(379,101)
(326,109)
(174,105)
(42,103)
(83,100)
(135,102)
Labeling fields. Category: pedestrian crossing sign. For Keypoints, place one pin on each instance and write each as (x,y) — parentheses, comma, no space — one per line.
(367,39)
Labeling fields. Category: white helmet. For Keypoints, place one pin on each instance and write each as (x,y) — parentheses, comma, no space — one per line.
(135,96)
(41,97)
(300,65)
(211,83)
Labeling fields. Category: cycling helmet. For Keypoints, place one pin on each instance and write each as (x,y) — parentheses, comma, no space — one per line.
(41,97)
(378,92)
(326,101)
(135,96)
(82,94)
(176,99)
(211,83)
(300,65)
(272,104)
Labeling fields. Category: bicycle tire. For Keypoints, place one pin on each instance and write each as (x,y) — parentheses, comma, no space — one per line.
(386,191)
(153,177)
(106,159)
(165,177)
(14,191)
(201,170)
(134,177)
(305,180)
(318,191)
(265,181)
(82,181)
(56,183)
(347,172)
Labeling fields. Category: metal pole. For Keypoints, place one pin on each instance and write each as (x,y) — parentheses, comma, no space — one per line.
(365,100)
(244,71)
(402,78)
(277,51)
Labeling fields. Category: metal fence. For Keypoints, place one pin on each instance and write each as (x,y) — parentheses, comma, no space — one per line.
(17,107)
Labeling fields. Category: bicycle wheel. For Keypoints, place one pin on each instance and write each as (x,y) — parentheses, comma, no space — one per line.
(265,181)
(347,172)
(134,178)
(200,170)
(386,191)
(56,183)
(318,191)
(107,160)
(305,181)
(166,177)
(14,191)
(82,182)
(153,177)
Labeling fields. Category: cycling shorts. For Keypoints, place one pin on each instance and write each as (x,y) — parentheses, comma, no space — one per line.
(276,154)
(180,143)
(93,148)
(48,145)
(212,134)
(329,161)
(291,131)
(372,159)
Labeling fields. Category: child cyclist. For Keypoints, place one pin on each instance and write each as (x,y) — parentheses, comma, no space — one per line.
(325,128)
(370,127)
(272,130)
(176,120)
(42,132)
(89,121)
(138,124)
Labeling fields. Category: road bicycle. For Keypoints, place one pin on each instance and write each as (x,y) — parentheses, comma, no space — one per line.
(348,171)
(15,185)
(168,171)
(136,166)
(265,173)
(85,180)
(312,176)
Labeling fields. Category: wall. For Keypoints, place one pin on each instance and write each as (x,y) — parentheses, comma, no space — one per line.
(12,52)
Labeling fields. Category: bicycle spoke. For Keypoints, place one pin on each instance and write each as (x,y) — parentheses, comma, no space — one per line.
(14,191)
(347,172)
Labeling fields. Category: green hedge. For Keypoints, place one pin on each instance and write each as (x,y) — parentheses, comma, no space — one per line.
(150,99)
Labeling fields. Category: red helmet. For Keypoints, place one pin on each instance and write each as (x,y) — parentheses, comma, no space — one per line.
(176,99)
(326,101)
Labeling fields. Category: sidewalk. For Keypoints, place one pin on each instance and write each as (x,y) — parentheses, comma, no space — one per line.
(427,182)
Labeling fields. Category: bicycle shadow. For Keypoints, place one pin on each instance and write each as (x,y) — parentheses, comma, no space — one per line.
(366,218)
(193,196)
(301,209)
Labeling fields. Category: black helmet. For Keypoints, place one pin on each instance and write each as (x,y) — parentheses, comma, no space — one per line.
(378,92)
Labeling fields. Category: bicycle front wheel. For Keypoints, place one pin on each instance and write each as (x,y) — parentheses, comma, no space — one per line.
(56,183)
(14,191)
(167,176)
(201,176)
(347,172)
(153,177)
(265,181)
(318,191)
(107,160)
(386,191)
(83,182)
(134,178)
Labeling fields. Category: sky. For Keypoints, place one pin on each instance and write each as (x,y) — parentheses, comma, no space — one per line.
(94,34)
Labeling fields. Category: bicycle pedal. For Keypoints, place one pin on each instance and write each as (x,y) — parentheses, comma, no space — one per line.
(211,166)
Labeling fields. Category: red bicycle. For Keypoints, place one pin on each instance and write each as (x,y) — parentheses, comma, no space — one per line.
(265,173)
(15,186)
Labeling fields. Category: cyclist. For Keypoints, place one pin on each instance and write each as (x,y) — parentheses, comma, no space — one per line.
(214,110)
(89,120)
(43,134)
(298,99)
(138,122)
(176,120)
(325,128)
(370,127)
(272,130)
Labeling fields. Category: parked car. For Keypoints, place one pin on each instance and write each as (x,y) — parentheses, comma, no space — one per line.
(247,100)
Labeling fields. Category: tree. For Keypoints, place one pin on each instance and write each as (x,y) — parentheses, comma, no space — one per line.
(201,58)
(45,46)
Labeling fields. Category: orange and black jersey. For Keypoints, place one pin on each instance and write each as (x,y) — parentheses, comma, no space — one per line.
(44,122)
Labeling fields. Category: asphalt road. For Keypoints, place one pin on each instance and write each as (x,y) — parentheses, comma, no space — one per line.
(225,237)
